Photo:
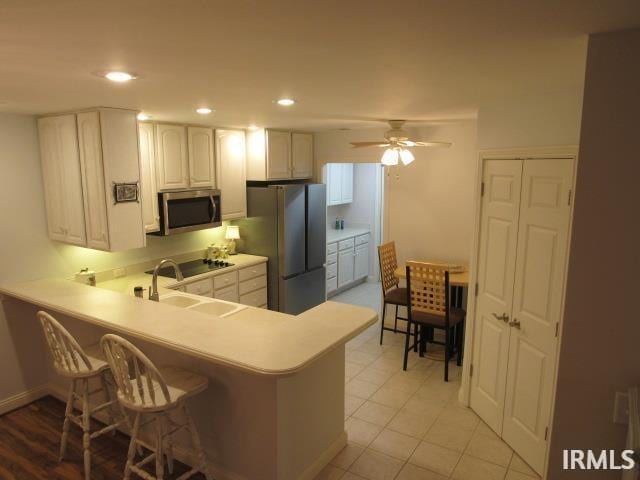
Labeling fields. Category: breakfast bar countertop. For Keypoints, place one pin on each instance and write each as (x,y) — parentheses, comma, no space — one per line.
(257,340)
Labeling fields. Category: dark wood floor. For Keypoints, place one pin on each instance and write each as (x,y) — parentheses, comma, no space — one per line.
(30,441)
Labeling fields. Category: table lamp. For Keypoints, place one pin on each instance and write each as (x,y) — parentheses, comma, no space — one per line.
(232,234)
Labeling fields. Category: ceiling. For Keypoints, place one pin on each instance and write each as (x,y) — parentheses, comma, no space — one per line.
(345,61)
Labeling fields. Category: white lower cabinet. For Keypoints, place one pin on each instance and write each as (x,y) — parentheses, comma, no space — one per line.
(201,287)
(230,293)
(345,267)
(361,263)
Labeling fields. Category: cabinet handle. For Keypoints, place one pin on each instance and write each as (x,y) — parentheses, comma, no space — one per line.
(504,317)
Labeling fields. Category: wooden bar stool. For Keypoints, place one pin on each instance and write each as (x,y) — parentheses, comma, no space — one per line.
(391,293)
(146,390)
(81,365)
(428,302)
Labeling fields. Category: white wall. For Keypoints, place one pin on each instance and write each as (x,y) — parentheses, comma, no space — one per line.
(26,253)
(429,204)
(599,352)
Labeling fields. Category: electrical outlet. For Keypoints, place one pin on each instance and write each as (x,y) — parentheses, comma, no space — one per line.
(119,272)
(621,409)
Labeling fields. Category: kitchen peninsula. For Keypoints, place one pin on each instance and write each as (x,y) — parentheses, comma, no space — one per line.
(274,408)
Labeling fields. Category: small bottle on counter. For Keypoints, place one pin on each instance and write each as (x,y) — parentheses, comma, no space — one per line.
(138,292)
(337,223)
(342,224)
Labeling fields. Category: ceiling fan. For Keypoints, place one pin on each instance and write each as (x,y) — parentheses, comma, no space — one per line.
(397,144)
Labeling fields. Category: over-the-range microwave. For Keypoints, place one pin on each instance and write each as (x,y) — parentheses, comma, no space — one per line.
(188,210)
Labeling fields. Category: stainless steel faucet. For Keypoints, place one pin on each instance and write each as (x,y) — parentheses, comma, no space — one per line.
(153,291)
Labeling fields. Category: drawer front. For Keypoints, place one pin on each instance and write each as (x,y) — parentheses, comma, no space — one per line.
(332,248)
(224,280)
(230,294)
(201,287)
(360,239)
(253,284)
(251,272)
(254,299)
(345,244)
(332,270)
(332,284)
(332,258)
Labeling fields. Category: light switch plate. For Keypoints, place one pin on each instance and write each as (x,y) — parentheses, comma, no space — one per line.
(621,408)
(119,272)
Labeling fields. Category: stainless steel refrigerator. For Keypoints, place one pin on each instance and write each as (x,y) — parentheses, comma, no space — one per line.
(287,223)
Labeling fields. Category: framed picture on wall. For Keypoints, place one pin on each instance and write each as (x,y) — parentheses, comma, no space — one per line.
(125,192)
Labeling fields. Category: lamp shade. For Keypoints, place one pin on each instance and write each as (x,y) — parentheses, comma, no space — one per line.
(390,157)
(232,233)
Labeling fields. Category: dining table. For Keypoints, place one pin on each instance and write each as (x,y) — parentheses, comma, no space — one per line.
(458,284)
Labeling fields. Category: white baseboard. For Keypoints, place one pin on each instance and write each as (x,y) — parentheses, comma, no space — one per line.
(23,398)
(323,460)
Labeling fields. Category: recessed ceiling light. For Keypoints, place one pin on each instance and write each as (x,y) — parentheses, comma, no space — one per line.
(143,116)
(252,127)
(286,102)
(119,77)
(204,110)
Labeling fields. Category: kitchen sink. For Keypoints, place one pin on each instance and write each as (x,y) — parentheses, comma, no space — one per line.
(179,300)
(217,307)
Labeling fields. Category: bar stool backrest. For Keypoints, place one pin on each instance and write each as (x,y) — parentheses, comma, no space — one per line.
(68,356)
(428,287)
(388,265)
(138,380)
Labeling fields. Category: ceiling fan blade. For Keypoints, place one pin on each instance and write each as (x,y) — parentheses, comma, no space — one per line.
(368,144)
(432,144)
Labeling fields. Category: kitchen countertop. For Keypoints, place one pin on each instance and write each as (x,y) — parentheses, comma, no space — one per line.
(127,283)
(334,235)
(256,340)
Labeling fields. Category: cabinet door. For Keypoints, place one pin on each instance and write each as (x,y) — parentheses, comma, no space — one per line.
(334,183)
(361,264)
(62,179)
(496,274)
(171,157)
(200,141)
(148,183)
(345,267)
(537,304)
(278,155)
(346,171)
(301,155)
(231,173)
(52,176)
(92,166)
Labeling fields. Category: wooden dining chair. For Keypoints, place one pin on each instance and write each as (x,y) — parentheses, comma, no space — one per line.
(80,366)
(145,389)
(428,306)
(392,294)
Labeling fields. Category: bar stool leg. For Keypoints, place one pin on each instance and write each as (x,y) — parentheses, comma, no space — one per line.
(395,321)
(169,444)
(86,429)
(159,447)
(195,439)
(108,398)
(384,312)
(65,427)
(132,447)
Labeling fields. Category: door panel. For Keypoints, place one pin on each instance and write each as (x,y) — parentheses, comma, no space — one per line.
(231,173)
(496,271)
(301,155)
(200,142)
(537,305)
(316,222)
(278,155)
(172,161)
(291,230)
(148,183)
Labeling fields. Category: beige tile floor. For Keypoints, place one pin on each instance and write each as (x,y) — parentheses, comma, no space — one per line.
(409,425)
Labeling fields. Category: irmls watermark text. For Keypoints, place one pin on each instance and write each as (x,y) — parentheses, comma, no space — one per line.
(599,460)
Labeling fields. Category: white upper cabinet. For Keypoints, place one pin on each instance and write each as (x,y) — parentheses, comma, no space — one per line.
(62,179)
(231,173)
(150,215)
(279,155)
(339,180)
(83,156)
(91,163)
(201,159)
(301,155)
(171,157)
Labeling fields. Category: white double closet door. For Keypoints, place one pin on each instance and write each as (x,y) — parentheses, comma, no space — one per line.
(524,229)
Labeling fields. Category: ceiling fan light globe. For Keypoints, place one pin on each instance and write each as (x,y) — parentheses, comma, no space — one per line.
(389,157)
(406,156)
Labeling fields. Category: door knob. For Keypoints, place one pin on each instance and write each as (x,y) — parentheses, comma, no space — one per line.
(515,323)
(504,317)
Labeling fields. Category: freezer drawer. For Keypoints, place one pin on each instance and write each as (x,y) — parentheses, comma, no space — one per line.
(302,292)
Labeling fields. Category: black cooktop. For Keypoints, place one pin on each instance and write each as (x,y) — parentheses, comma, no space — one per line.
(193,268)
